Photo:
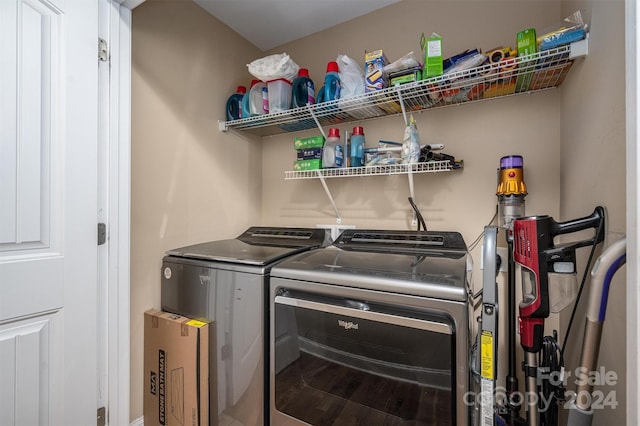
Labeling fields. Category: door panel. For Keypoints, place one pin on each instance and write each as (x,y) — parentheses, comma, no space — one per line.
(24,350)
(48,237)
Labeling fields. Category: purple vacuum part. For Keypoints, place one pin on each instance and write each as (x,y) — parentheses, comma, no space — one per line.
(511,162)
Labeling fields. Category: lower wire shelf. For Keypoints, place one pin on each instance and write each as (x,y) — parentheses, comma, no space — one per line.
(376,170)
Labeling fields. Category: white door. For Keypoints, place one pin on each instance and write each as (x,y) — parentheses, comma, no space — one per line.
(48,209)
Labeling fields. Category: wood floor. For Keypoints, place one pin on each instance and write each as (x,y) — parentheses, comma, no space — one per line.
(332,394)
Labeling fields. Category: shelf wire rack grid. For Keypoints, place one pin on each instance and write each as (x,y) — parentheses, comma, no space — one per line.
(377,170)
(518,75)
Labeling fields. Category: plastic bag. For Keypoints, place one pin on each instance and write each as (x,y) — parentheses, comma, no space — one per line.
(572,28)
(406,62)
(351,77)
(411,143)
(273,67)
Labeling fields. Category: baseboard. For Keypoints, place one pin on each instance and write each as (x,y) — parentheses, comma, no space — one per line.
(138,422)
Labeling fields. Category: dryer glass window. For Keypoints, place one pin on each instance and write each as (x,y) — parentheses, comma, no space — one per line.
(362,363)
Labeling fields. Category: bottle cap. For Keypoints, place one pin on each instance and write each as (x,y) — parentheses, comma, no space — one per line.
(358,130)
(254,82)
(241,89)
(334,133)
(303,72)
(333,67)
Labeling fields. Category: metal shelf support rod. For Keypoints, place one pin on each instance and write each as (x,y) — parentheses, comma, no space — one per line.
(326,189)
(404,110)
(321,131)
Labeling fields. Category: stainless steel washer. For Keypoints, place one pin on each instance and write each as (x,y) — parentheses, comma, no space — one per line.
(225,281)
(372,330)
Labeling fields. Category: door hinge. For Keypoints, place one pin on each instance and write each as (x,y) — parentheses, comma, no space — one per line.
(102,233)
(103,50)
(102,417)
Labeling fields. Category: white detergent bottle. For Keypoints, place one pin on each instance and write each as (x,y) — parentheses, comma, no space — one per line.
(332,151)
(258,102)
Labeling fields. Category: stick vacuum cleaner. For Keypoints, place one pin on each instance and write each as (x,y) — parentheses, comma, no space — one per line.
(545,268)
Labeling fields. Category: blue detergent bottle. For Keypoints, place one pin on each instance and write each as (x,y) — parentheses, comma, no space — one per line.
(302,90)
(234,104)
(331,89)
(357,147)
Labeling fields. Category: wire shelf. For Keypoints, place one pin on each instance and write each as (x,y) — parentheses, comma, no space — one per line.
(525,74)
(377,170)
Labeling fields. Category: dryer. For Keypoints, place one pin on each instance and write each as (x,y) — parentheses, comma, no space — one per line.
(372,330)
(225,281)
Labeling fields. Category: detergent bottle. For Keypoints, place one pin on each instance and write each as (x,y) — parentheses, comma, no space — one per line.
(357,147)
(331,89)
(258,98)
(332,151)
(234,104)
(246,100)
(303,90)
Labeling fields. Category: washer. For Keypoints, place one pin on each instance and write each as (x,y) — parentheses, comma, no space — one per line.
(225,281)
(372,330)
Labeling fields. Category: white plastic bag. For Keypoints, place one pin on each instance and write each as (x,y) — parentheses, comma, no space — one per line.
(411,143)
(351,77)
(273,67)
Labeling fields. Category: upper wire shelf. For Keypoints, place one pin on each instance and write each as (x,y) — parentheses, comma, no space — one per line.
(526,74)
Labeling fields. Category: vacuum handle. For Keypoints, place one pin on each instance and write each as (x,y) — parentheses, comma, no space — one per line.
(591,221)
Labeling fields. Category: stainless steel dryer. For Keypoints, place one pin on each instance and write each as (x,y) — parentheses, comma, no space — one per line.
(226,281)
(372,330)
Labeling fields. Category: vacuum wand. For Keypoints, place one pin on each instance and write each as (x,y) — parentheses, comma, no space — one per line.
(605,267)
(511,193)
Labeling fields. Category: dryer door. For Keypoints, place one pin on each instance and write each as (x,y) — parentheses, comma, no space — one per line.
(362,363)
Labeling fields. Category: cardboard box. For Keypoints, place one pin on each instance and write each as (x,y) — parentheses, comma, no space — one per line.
(375,77)
(432,47)
(176,370)
(311,142)
(302,165)
(526,41)
(309,154)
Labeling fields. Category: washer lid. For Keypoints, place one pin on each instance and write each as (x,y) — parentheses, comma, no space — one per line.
(256,246)
(431,264)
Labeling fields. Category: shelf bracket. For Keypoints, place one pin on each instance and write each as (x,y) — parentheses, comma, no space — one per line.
(404,109)
(319,128)
(222,126)
(326,189)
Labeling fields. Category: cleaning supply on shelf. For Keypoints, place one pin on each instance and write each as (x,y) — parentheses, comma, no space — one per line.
(279,95)
(258,98)
(332,152)
(310,142)
(246,101)
(234,104)
(331,89)
(432,48)
(526,44)
(357,147)
(375,78)
(411,143)
(302,90)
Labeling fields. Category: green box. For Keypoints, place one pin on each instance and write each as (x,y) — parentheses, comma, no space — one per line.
(526,45)
(432,47)
(311,142)
(301,165)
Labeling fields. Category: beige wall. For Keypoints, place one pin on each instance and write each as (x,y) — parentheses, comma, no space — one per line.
(190,182)
(593,173)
